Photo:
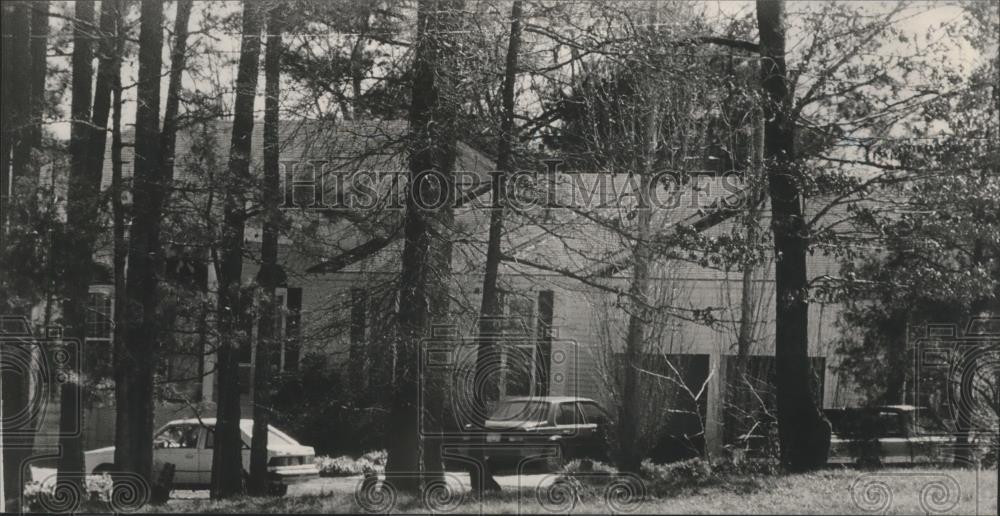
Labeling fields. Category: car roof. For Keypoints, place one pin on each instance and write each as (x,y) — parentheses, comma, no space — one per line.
(205,421)
(549,399)
(886,408)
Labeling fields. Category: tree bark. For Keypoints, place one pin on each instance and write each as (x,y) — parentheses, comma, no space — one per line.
(227,462)
(490,311)
(268,276)
(39,68)
(432,148)
(81,221)
(22,94)
(804,433)
(145,257)
(122,438)
(632,450)
(6,115)
(178,57)
(18,123)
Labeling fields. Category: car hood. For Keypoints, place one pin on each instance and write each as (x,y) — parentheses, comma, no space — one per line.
(276,450)
(290,449)
(100,451)
(505,424)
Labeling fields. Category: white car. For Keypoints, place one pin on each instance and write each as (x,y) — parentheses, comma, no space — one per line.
(187,444)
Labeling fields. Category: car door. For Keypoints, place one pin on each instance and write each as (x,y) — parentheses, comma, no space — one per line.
(205,455)
(598,425)
(894,443)
(565,428)
(930,439)
(178,445)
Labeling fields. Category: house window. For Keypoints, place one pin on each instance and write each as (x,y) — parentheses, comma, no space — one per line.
(98,352)
(287,305)
(99,317)
(518,358)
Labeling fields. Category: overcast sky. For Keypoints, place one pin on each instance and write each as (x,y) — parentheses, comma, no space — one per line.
(925,16)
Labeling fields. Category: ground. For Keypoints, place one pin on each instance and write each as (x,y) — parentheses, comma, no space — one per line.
(834,491)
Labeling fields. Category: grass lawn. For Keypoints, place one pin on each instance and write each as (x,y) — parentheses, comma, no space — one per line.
(840,491)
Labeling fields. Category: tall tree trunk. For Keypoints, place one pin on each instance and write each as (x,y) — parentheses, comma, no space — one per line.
(22,94)
(227,462)
(632,449)
(39,68)
(17,127)
(7,132)
(803,432)
(268,276)
(432,148)
(145,257)
(81,219)
(490,312)
(178,56)
(118,262)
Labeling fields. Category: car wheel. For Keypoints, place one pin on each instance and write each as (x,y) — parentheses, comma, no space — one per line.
(108,469)
(104,468)
(556,464)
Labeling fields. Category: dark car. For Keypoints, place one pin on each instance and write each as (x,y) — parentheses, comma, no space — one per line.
(892,434)
(561,427)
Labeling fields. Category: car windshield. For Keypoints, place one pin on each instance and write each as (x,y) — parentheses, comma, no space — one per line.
(929,423)
(274,435)
(866,423)
(520,410)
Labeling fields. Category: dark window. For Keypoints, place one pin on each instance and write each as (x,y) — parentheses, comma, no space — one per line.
(210,439)
(359,320)
(543,342)
(293,329)
(178,436)
(593,413)
(568,414)
(517,410)
(892,424)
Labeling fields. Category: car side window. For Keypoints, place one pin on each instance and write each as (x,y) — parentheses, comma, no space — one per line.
(593,413)
(567,414)
(210,439)
(178,436)
(892,424)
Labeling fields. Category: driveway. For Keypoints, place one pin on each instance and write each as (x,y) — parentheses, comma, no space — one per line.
(347,485)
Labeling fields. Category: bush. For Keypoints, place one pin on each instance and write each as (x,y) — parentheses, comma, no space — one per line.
(317,409)
(41,496)
(736,461)
(345,466)
(669,479)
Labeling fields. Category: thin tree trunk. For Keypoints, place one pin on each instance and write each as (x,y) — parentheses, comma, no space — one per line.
(632,449)
(7,121)
(39,67)
(740,387)
(227,462)
(804,433)
(178,56)
(268,276)
(81,219)
(18,115)
(22,93)
(120,252)
(145,258)
(490,311)
(433,147)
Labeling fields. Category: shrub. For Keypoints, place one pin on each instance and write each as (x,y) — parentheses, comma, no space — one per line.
(320,411)
(345,466)
(41,496)
(669,479)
